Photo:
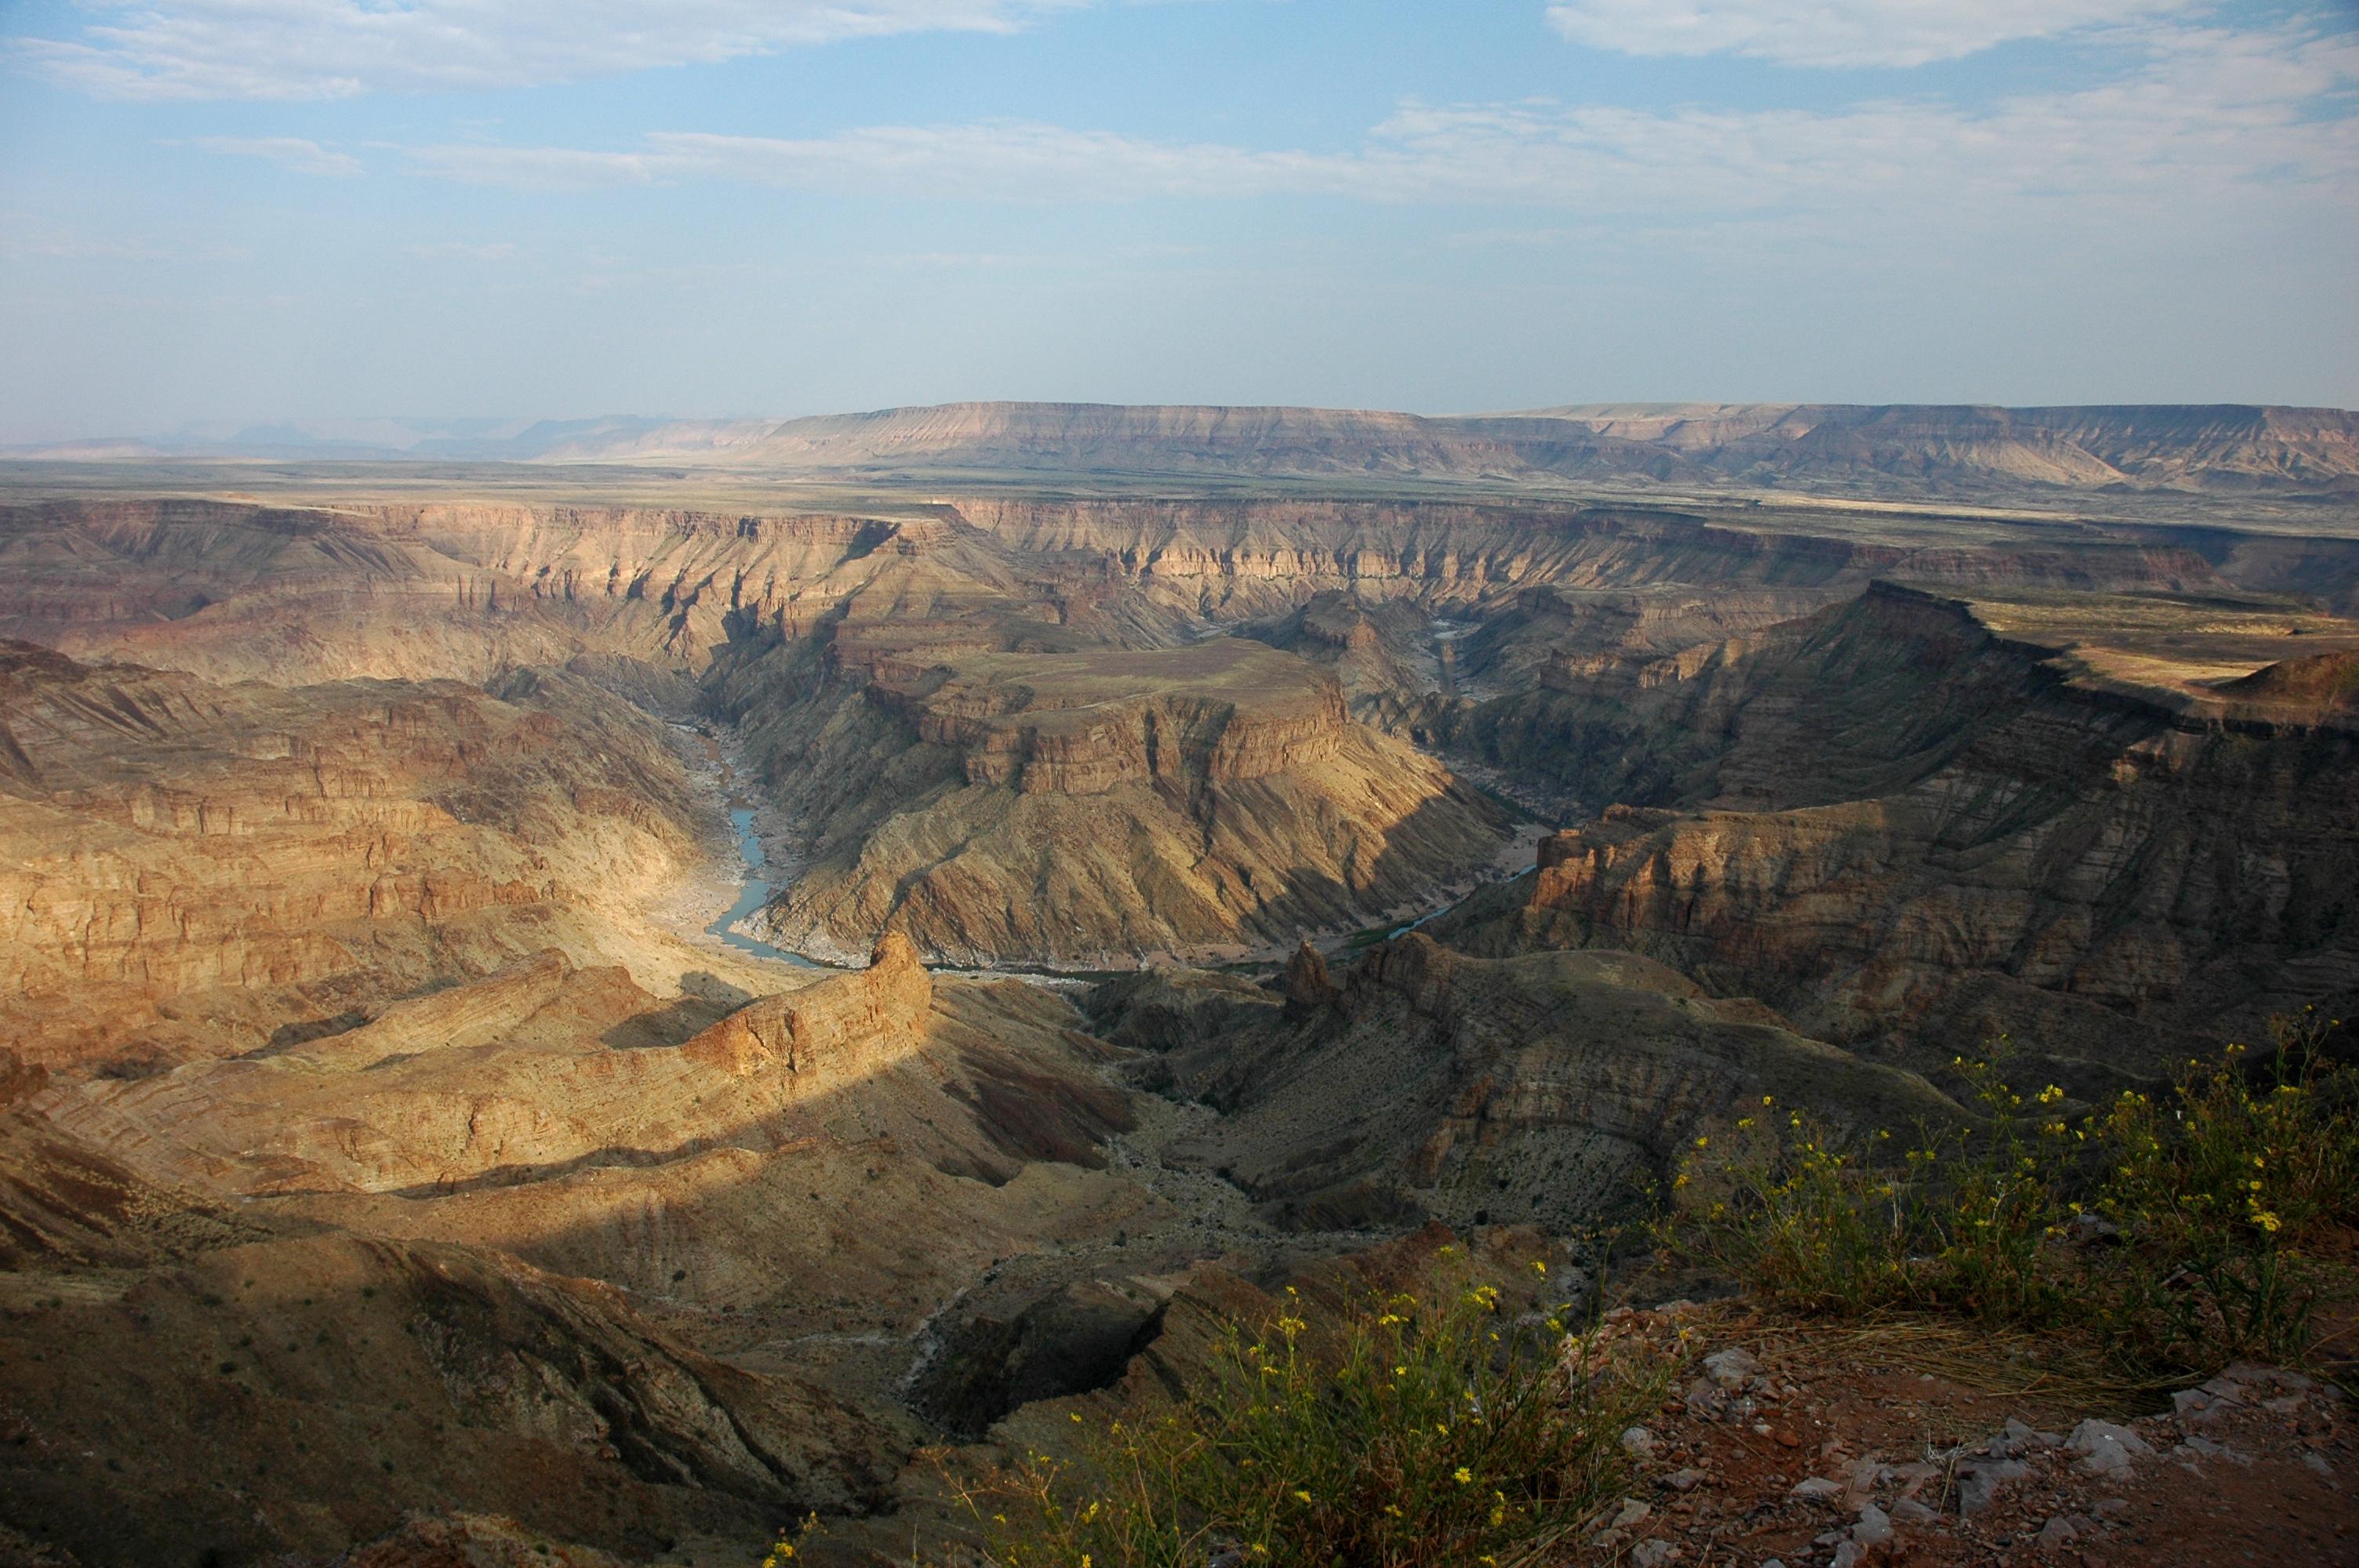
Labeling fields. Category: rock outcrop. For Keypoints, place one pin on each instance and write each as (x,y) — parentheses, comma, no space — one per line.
(541,1073)
(836,1029)
(1306,982)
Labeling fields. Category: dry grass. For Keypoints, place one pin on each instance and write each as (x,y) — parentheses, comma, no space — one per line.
(2051,1376)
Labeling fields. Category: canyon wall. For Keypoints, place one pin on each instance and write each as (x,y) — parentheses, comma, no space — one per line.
(189,864)
(1896,826)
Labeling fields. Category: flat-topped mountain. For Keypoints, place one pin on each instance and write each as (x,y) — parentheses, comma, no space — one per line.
(1766,445)
(1898,449)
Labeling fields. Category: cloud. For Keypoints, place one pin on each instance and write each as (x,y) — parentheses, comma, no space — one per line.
(295,153)
(543,168)
(338,49)
(463,250)
(2197,116)
(992,159)
(1835,32)
(25,237)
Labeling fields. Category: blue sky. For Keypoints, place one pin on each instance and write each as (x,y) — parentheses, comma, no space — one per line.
(237,211)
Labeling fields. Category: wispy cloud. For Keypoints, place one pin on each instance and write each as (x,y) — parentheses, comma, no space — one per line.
(297,155)
(1835,32)
(337,49)
(463,250)
(996,159)
(2193,115)
(27,238)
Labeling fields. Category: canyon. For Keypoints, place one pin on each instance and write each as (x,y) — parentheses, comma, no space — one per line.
(1200,849)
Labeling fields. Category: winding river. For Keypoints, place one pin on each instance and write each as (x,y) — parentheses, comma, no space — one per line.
(753,896)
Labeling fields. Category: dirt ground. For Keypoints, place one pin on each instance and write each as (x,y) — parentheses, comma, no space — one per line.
(1900,1445)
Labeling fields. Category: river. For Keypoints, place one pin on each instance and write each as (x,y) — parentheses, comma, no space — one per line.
(753,897)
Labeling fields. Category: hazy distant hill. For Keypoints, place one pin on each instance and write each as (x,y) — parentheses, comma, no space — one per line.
(1905,448)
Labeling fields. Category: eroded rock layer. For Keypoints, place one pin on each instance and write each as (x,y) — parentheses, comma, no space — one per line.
(1086,806)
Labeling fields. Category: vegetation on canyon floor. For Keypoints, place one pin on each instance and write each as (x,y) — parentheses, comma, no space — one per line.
(2178,1230)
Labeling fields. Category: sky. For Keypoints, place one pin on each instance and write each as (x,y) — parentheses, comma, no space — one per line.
(221,212)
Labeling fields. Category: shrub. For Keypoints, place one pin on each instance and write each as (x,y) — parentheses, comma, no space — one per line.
(788,1546)
(1960,1221)
(2180,1226)
(1418,1429)
(2226,1198)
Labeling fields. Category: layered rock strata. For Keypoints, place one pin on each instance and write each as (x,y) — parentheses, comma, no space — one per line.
(2111,881)
(187,866)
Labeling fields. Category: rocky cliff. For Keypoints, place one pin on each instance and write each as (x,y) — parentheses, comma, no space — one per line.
(1919,832)
(839,1029)
(1240,558)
